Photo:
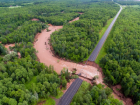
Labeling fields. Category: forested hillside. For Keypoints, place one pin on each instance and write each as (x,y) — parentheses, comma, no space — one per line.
(121,65)
(77,40)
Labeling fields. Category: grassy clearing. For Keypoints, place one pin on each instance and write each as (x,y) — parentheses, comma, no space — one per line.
(48,101)
(102,52)
(101,33)
(60,94)
(29,84)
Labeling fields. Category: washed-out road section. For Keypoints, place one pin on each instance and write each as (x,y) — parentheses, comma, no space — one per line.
(46,56)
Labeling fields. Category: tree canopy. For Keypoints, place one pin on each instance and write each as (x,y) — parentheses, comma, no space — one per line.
(121,64)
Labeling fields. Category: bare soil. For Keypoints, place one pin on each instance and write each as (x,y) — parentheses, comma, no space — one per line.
(80,13)
(9,45)
(74,19)
(41,103)
(34,19)
(46,56)
(116,89)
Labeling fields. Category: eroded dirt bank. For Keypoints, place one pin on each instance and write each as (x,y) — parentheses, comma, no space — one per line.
(46,56)
(74,19)
(116,89)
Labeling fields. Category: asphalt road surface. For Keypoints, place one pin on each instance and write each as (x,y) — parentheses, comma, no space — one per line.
(96,51)
(69,94)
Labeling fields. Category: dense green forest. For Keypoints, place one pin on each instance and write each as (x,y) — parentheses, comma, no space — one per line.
(16,20)
(128,2)
(24,81)
(121,64)
(16,74)
(8,3)
(94,95)
(2,50)
(77,40)
(26,33)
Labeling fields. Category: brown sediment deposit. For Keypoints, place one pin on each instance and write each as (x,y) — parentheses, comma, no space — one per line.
(80,13)
(34,19)
(118,93)
(46,56)
(41,102)
(116,89)
(74,19)
(9,45)
(86,79)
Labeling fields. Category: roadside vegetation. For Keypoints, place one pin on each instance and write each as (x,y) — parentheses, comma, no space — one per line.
(102,52)
(122,60)
(77,40)
(24,80)
(128,2)
(94,95)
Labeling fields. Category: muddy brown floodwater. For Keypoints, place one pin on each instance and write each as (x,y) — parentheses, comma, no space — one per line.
(46,56)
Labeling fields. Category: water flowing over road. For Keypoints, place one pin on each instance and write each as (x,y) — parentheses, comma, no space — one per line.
(96,51)
(46,56)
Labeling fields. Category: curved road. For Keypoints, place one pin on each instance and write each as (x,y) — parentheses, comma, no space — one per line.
(96,51)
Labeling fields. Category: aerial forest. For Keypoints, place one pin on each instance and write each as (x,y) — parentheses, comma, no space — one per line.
(94,95)
(121,64)
(77,40)
(23,79)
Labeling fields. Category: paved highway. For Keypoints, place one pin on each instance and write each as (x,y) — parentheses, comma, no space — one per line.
(69,94)
(96,51)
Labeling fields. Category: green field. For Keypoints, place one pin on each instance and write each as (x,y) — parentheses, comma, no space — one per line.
(48,101)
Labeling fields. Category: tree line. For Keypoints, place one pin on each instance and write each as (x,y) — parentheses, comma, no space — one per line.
(77,40)
(121,64)
(94,95)
(24,81)
(16,76)
(130,2)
